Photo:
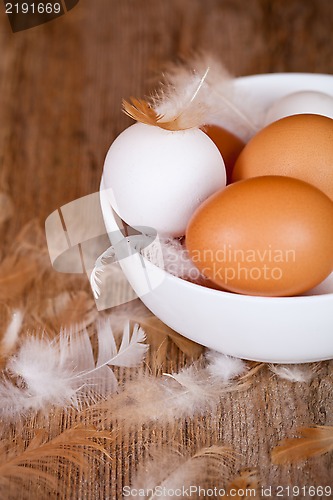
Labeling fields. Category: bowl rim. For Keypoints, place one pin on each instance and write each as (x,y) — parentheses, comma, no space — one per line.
(284,74)
(240,296)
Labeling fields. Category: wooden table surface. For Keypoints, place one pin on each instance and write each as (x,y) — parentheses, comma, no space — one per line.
(61,86)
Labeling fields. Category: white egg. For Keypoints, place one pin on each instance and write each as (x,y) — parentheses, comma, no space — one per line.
(306,101)
(157,178)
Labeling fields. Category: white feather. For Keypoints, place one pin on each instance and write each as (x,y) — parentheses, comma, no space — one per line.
(192,391)
(201,91)
(293,373)
(63,372)
(133,311)
(11,335)
(170,255)
(224,367)
(169,470)
(95,277)
(183,100)
(132,349)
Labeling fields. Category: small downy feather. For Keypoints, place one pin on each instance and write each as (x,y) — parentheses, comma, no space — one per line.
(225,367)
(207,79)
(131,351)
(315,441)
(11,335)
(293,373)
(187,110)
(95,277)
(63,372)
(175,258)
(22,464)
(168,470)
(192,391)
(133,311)
(159,336)
(197,92)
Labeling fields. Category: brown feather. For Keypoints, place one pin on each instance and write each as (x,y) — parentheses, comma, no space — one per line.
(70,310)
(31,239)
(157,332)
(255,367)
(16,274)
(315,441)
(39,461)
(141,111)
(164,399)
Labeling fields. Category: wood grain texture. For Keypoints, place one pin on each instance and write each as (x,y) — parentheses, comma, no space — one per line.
(61,87)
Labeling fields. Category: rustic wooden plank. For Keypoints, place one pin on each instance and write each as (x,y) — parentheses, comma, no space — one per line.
(61,87)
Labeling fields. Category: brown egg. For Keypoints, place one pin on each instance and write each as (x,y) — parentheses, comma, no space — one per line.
(298,146)
(269,235)
(228,144)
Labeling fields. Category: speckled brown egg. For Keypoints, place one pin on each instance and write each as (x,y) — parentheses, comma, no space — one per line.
(269,235)
(298,146)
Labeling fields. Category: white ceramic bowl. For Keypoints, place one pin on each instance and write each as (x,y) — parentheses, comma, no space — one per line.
(278,330)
